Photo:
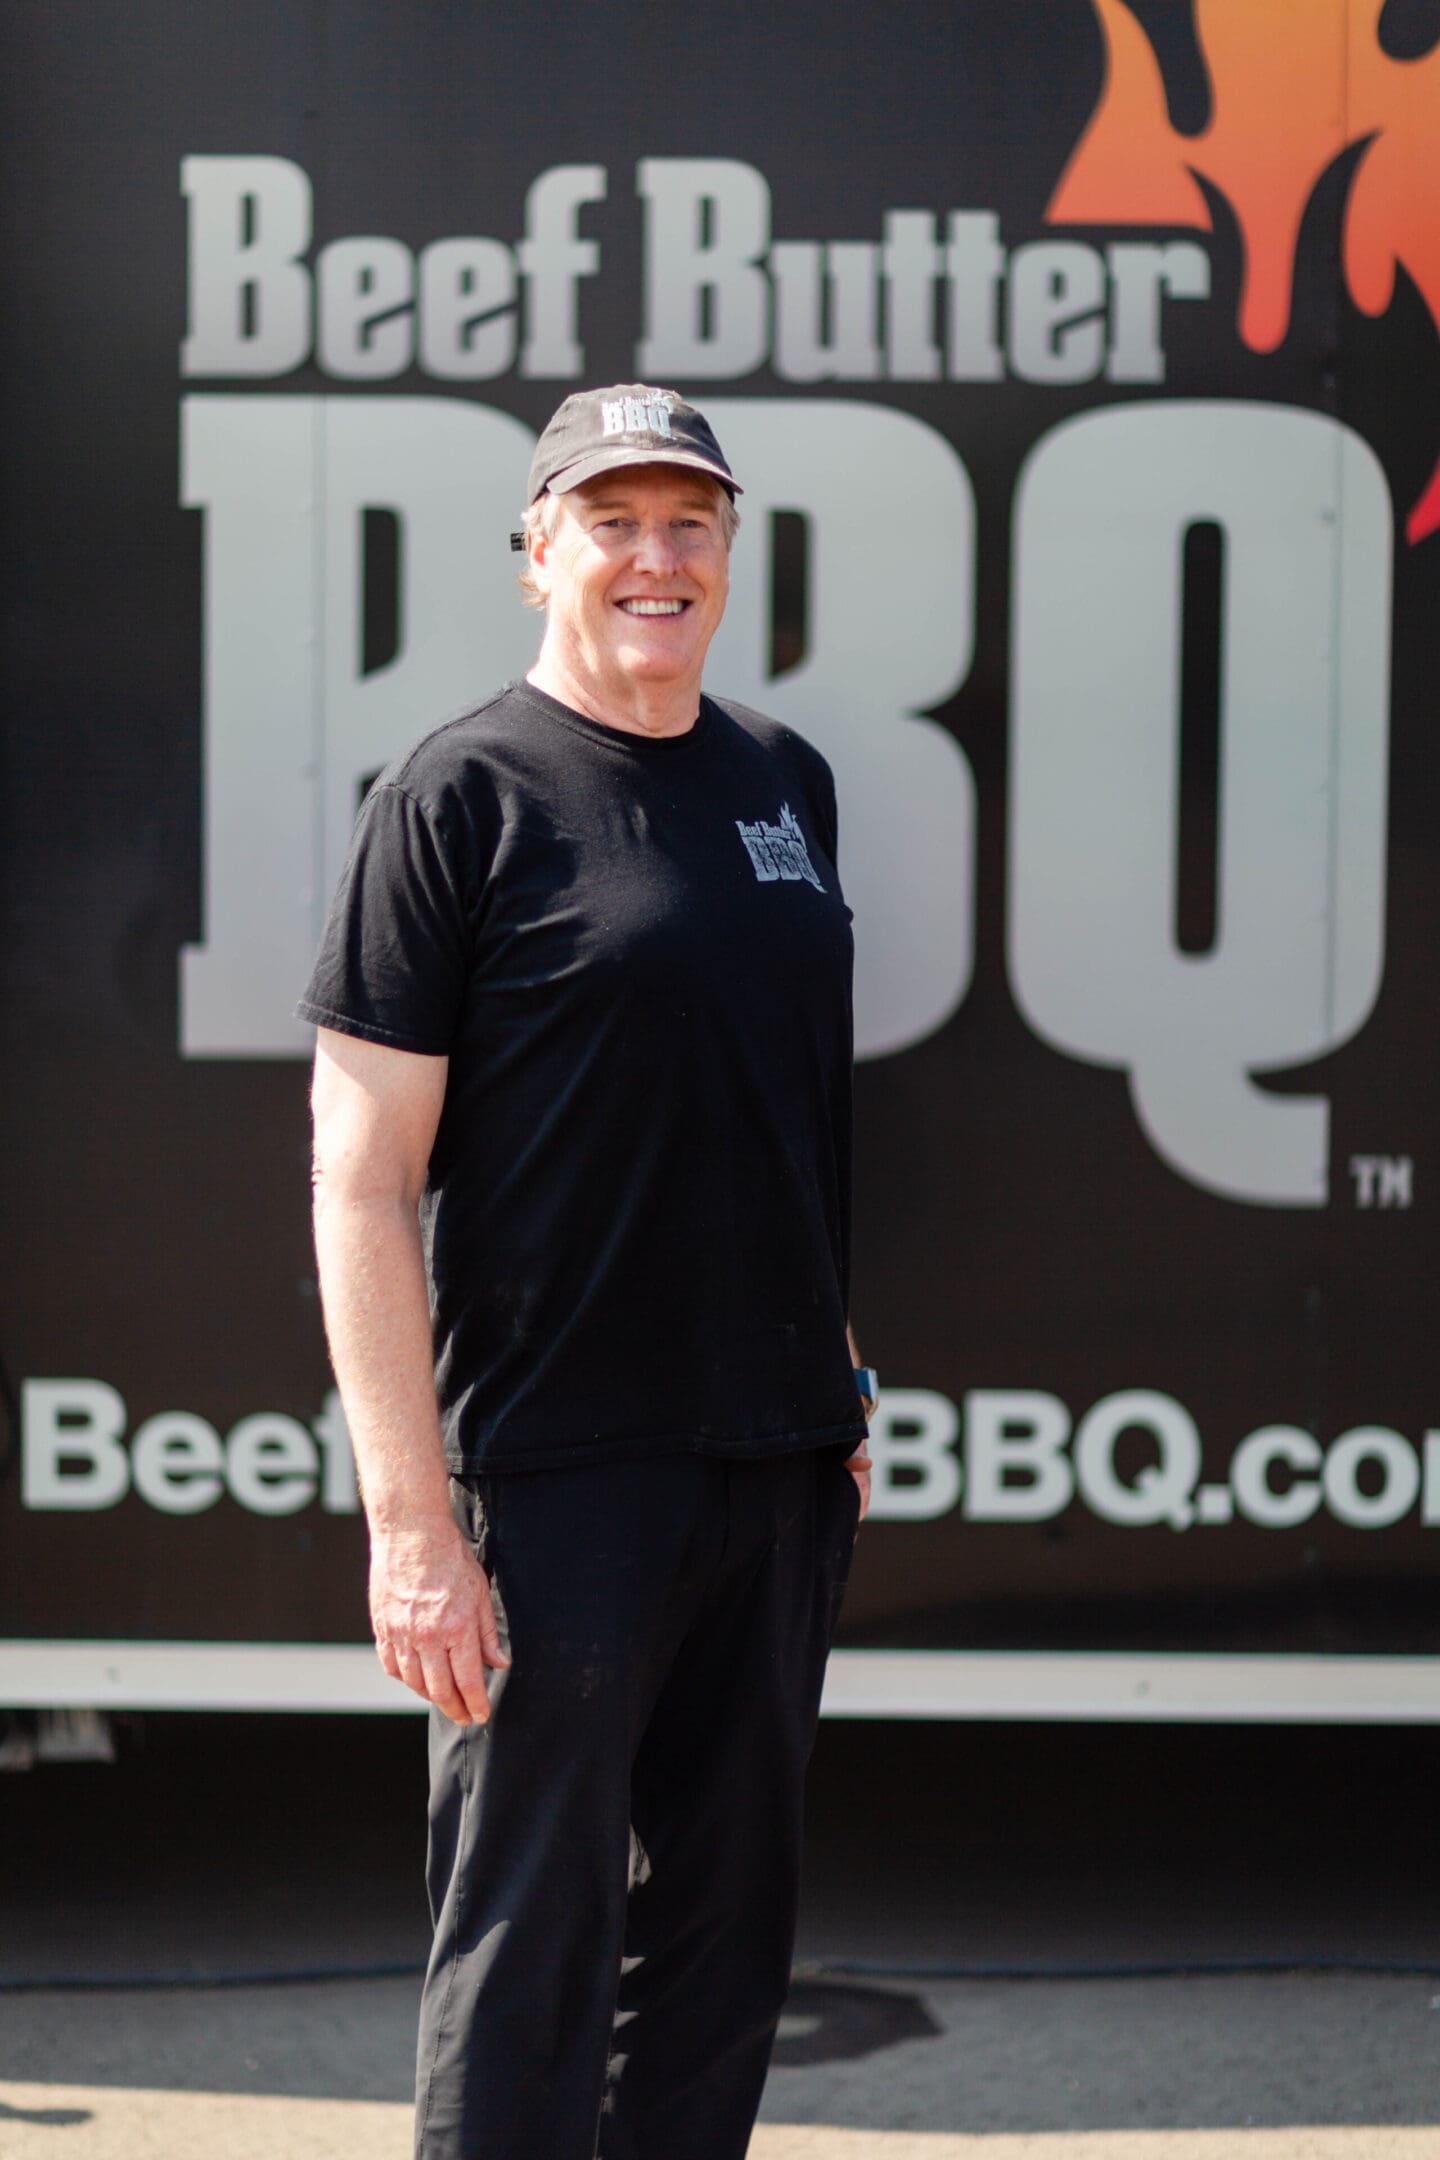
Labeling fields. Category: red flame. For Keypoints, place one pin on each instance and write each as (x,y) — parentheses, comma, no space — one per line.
(1296,82)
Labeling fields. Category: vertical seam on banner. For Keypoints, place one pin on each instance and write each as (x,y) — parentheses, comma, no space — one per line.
(1337,599)
(321,879)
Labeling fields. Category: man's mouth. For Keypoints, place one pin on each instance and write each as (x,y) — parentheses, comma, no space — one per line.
(653,607)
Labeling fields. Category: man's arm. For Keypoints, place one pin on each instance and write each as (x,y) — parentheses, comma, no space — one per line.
(376,1111)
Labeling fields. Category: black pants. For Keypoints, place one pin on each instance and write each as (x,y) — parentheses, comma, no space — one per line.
(614,1858)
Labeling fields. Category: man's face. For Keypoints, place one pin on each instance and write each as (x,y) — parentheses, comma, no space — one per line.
(635,579)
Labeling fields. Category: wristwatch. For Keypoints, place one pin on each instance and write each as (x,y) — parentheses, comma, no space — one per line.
(867,1380)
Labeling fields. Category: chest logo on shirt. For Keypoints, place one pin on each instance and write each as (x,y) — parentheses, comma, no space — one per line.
(778,851)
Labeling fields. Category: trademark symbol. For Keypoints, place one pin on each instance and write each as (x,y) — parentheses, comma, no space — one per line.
(1382,1180)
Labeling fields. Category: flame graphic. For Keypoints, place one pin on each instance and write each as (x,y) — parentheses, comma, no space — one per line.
(1296,83)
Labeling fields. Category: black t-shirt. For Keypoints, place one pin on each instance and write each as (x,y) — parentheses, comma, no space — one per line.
(636,956)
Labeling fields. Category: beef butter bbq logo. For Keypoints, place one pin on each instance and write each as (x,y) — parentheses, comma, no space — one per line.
(647,415)
(945,302)
(779,851)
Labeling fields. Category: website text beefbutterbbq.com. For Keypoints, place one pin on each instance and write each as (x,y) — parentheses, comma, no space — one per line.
(1135,1458)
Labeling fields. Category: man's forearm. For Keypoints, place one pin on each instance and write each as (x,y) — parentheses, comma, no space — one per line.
(377,1318)
(376,1111)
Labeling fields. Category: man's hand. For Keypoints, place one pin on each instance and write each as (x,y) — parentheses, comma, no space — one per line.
(433,1618)
(859,1464)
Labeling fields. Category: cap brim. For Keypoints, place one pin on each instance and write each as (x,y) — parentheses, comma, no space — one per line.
(602,461)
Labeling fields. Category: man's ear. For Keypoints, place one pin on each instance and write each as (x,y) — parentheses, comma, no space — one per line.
(540,562)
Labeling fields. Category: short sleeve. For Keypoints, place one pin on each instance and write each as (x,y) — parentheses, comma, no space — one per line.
(820,795)
(394,957)
(830,812)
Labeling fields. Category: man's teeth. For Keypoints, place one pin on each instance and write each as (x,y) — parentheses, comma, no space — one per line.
(653,607)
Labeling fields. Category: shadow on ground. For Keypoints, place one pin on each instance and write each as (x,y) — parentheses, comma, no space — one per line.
(238,1849)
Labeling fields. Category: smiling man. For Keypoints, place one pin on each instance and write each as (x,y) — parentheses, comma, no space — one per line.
(582,1138)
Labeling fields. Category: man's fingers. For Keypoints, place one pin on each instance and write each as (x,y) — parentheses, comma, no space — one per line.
(454,1679)
(468,1667)
(440,1688)
(491,1648)
(859,1465)
(454,1683)
(409,1668)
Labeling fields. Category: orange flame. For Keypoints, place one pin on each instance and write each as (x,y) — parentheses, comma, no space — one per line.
(1296,82)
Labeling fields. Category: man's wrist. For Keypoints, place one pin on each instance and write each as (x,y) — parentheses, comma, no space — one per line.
(399,1515)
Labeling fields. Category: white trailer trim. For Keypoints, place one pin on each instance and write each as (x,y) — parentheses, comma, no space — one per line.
(1082,1686)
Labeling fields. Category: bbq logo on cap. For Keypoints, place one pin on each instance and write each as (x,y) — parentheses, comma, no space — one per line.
(597,431)
(646,413)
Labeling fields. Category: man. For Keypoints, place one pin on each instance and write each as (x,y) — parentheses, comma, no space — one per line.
(581,1172)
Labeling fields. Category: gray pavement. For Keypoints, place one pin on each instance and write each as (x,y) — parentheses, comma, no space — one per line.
(219,1848)
(1089,2066)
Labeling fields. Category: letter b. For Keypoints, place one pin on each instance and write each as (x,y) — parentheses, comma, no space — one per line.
(912,1445)
(70,1449)
(684,270)
(1015,1462)
(249,293)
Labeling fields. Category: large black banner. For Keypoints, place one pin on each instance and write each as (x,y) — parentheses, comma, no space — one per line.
(1080,359)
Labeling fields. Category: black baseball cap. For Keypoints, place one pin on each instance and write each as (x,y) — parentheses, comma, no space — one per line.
(595,431)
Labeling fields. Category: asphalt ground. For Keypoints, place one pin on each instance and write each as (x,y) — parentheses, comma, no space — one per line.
(1018,1943)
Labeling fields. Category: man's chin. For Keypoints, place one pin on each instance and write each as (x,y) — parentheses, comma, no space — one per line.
(655,668)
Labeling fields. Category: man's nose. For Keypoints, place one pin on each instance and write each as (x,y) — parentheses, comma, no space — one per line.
(657,548)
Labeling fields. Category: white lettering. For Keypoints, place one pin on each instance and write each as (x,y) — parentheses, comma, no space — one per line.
(72,1456)
(1162,1490)
(177,1463)
(1057,289)
(467,309)
(1016,1468)
(1139,273)
(553,259)
(1383,1180)
(707,301)
(70,1452)
(366,294)
(1101,513)
(453,472)
(250,463)
(912,1445)
(1399,1472)
(975,262)
(1258,1500)
(913,264)
(249,221)
(825,310)
(719,299)
(271,1464)
(1430,1502)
